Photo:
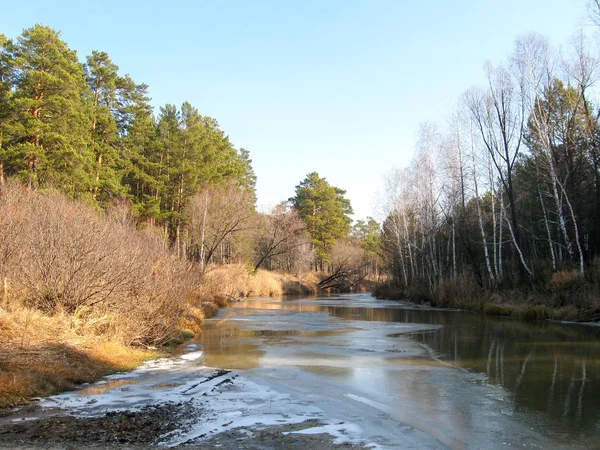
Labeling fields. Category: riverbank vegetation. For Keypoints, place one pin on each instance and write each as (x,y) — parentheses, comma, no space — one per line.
(500,210)
(122,227)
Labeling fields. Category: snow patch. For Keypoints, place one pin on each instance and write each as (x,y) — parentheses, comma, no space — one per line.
(222,400)
(193,356)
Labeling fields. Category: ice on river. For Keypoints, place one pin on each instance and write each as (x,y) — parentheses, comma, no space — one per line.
(347,364)
(223,399)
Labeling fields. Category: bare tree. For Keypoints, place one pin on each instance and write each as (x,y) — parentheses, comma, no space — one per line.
(278,234)
(216,214)
(500,115)
(535,69)
(347,268)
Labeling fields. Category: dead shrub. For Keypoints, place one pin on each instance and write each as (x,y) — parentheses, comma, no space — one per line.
(62,257)
(462,288)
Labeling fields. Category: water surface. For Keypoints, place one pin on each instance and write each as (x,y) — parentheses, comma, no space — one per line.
(468,380)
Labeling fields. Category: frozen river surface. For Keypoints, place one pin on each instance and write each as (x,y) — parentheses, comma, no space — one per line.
(414,378)
(371,373)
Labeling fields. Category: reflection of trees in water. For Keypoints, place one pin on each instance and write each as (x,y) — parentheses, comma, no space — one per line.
(547,367)
(228,346)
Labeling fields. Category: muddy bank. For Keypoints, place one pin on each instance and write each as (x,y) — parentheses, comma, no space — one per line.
(140,429)
(170,403)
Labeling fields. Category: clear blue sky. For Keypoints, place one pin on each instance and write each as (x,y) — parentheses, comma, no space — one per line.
(333,86)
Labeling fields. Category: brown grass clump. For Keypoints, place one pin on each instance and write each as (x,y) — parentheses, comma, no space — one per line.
(232,281)
(44,369)
(192,320)
(265,284)
(41,355)
(221,284)
(564,279)
(461,288)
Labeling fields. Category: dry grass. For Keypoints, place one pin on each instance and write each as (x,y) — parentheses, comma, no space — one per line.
(62,258)
(41,355)
(192,321)
(45,369)
(222,283)
(82,294)
(568,296)
(564,279)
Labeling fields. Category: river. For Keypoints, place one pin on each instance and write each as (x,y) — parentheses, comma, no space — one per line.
(448,378)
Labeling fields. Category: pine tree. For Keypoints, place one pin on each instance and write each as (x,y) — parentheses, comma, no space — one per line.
(102,78)
(47,138)
(5,96)
(325,211)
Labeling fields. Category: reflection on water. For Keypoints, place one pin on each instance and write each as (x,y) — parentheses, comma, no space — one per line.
(105,386)
(226,345)
(549,367)
(550,371)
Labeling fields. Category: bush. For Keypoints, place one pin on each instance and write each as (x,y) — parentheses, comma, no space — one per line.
(59,256)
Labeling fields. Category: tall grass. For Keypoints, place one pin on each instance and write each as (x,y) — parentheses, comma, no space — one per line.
(234,281)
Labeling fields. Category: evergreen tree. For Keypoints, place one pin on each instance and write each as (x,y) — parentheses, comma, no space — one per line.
(324,210)
(46,140)
(139,149)
(5,96)
(102,78)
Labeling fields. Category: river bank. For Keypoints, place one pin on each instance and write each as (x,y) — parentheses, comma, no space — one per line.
(335,372)
(573,301)
(171,402)
(45,353)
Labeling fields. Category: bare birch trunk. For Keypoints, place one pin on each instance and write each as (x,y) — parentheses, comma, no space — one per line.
(481,228)
(547,225)
(500,229)
(409,244)
(574,219)
(453,248)
(518,248)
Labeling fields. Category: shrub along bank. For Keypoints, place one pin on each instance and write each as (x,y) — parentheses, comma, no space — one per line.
(84,293)
(566,296)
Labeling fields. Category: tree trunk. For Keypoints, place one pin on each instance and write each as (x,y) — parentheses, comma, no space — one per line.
(98,167)
(453,248)
(202,234)
(547,225)
(481,228)
(574,219)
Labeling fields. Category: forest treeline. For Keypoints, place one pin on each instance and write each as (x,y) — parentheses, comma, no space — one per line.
(84,129)
(122,227)
(101,197)
(507,195)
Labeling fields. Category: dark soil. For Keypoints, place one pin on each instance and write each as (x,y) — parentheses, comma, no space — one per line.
(145,428)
